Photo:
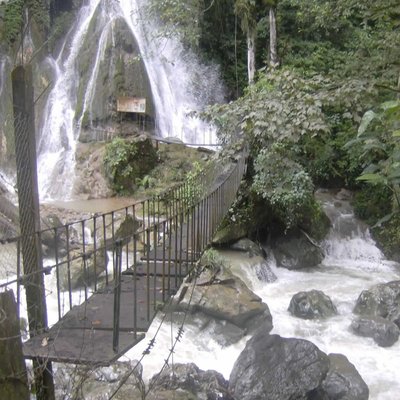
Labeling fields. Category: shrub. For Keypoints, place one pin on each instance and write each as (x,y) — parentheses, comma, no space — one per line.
(126,162)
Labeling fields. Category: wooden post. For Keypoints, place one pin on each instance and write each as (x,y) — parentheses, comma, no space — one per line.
(13,377)
(25,151)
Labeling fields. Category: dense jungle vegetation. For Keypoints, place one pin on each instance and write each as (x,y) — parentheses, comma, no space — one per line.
(314,89)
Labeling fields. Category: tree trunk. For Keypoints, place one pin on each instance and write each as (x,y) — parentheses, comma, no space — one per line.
(13,377)
(273,43)
(251,54)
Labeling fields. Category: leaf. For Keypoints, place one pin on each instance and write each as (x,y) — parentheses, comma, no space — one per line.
(384,219)
(365,121)
(372,178)
(388,105)
(396,133)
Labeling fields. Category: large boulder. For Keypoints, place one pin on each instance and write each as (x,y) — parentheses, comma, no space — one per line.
(187,382)
(296,251)
(224,296)
(83,269)
(249,247)
(384,332)
(343,382)
(100,383)
(313,304)
(222,299)
(381,300)
(229,234)
(9,218)
(275,368)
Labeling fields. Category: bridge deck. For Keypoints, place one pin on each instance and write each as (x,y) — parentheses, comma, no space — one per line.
(85,334)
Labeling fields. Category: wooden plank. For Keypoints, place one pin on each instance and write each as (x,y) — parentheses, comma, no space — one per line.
(84,334)
(157,269)
(87,346)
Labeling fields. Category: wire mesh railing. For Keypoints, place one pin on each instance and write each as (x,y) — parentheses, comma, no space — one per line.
(145,249)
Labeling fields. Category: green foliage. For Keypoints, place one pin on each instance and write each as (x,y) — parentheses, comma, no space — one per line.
(372,205)
(388,235)
(127,162)
(179,18)
(194,184)
(12,21)
(379,137)
(284,184)
(13,13)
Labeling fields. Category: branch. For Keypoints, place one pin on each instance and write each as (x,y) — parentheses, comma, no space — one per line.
(397,90)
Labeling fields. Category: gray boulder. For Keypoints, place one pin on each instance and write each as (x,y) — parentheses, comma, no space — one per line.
(381,300)
(187,381)
(275,368)
(312,305)
(296,251)
(343,382)
(384,332)
(222,299)
(224,296)
(264,272)
(248,246)
(84,270)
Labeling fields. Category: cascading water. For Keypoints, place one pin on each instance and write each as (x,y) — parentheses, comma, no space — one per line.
(58,132)
(180,84)
(174,77)
(352,264)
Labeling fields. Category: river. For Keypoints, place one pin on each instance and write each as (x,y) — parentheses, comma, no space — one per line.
(352,264)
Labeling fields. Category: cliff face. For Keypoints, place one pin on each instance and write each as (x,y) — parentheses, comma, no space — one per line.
(120,72)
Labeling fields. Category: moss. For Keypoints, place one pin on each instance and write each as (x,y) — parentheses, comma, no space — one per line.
(371,205)
(387,236)
(315,222)
(127,161)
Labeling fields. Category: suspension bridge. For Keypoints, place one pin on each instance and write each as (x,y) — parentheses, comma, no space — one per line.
(105,277)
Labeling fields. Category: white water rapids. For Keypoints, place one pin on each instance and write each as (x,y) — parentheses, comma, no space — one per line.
(352,264)
(179,84)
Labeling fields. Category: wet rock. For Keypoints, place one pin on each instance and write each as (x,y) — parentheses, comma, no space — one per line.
(9,218)
(84,270)
(248,246)
(381,300)
(296,251)
(343,382)
(227,298)
(100,383)
(384,332)
(221,296)
(229,234)
(188,382)
(264,273)
(312,305)
(275,368)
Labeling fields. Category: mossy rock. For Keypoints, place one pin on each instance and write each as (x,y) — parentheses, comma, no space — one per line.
(127,161)
(229,234)
(387,235)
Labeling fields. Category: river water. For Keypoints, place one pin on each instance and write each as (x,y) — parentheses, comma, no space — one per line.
(353,263)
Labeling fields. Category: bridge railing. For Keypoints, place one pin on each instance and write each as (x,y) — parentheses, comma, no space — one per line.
(158,239)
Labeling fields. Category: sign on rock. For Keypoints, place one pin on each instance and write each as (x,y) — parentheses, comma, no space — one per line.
(131,104)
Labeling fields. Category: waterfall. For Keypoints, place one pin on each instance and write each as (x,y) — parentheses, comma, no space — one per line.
(180,84)
(58,137)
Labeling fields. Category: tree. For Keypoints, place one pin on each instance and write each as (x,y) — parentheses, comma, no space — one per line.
(247,12)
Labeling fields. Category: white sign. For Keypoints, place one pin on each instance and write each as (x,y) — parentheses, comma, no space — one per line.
(131,104)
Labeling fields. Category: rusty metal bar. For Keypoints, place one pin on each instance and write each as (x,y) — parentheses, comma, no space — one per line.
(117,293)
